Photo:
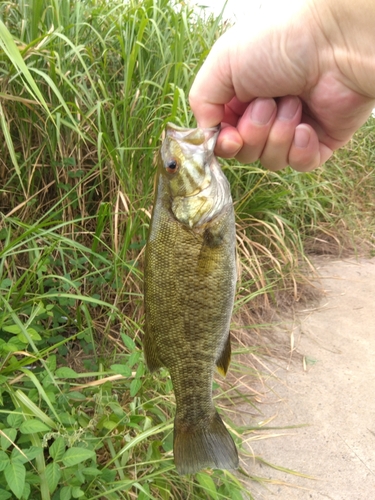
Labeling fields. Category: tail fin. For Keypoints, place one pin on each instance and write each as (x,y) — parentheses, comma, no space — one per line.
(199,448)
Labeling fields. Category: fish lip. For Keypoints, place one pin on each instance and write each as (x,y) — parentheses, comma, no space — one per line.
(198,135)
(173,126)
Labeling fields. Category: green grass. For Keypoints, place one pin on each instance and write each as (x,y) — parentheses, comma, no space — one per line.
(86,88)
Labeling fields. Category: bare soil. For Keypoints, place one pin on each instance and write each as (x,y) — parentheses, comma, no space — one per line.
(327,395)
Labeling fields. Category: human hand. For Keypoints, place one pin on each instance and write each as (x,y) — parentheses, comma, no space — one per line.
(290,85)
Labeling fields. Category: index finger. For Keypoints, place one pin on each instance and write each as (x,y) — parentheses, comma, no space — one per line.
(212,88)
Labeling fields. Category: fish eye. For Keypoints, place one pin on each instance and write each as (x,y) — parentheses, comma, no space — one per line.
(171,166)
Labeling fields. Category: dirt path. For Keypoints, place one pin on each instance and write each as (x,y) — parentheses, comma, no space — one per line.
(334,396)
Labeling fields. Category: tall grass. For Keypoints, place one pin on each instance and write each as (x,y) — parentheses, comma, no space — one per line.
(86,88)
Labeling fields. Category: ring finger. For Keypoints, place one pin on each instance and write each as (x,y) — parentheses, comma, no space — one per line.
(280,139)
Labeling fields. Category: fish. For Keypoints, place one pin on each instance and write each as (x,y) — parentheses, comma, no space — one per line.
(189,288)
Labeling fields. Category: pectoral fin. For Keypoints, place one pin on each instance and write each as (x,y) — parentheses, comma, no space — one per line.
(224,359)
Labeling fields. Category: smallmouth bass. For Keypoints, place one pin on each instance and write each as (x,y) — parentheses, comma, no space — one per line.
(189,287)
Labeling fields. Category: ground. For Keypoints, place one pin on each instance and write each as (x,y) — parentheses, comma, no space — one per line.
(329,391)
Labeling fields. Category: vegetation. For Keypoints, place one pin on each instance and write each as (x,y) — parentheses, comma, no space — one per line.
(86,88)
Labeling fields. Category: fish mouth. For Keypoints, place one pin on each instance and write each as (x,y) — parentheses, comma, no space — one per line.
(194,136)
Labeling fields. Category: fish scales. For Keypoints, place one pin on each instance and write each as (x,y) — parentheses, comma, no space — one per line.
(190,277)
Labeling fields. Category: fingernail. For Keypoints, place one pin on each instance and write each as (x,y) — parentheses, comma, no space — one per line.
(287,108)
(301,137)
(262,110)
(230,148)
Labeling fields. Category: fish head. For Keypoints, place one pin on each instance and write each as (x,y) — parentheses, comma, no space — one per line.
(197,187)
(186,155)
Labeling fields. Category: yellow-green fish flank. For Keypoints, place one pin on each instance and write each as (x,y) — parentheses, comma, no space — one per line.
(190,279)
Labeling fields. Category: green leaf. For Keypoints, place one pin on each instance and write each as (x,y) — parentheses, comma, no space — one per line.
(4,495)
(66,493)
(77,396)
(14,329)
(28,454)
(77,492)
(108,475)
(18,455)
(135,385)
(110,425)
(128,341)
(133,358)
(15,474)
(91,471)
(33,425)
(79,478)
(51,361)
(10,48)
(7,438)
(116,409)
(33,334)
(4,460)
(207,484)
(57,449)
(65,372)
(123,370)
(6,283)
(34,409)
(144,493)
(14,419)
(26,491)
(53,475)
(140,370)
(33,452)
(67,419)
(76,455)
(234,493)
(12,346)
